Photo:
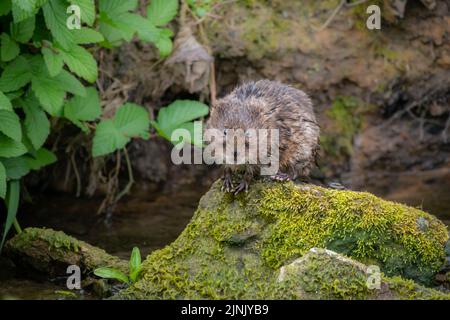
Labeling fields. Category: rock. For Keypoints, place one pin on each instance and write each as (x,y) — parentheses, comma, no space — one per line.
(51,252)
(236,247)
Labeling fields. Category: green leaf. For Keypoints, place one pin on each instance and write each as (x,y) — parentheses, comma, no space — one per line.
(12,96)
(9,48)
(164,45)
(117,7)
(86,36)
(43,158)
(10,125)
(107,139)
(120,27)
(10,148)
(53,61)
(16,168)
(5,103)
(110,273)
(12,203)
(50,96)
(135,264)
(26,5)
(66,81)
(55,18)
(83,108)
(80,62)
(22,11)
(5,7)
(2,181)
(23,31)
(178,113)
(87,10)
(131,120)
(37,126)
(161,12)
(16,75)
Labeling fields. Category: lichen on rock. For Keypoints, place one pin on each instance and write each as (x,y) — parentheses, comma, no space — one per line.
(235,246)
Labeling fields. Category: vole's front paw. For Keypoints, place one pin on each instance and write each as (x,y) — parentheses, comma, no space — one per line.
(243,185)
(227,184)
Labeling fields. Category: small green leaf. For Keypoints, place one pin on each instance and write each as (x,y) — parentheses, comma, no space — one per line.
(81,62)
(135,264)
(131,120)
(117,7)
(2,181)
(5,7)
(110,273)
(53,61)
(164,45)
(83,108)
(12,203)
(5,103)
(178,114)
(10,148)
(16,75)
(107,139)
(50,96)
(55,18)
(37,125)
(161,12)
(23,31)
(10,125)
(87,8)
(9,48)
(16,168)
(43,158)
(67,82)
(87,36)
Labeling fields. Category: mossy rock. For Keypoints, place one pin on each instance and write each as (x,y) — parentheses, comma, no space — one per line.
(235,245)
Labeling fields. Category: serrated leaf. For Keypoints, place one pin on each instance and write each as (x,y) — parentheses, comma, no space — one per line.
(36,123)
(80,62)
(23,31)
(179,113)
(16,168)
(5,103)
(49,95)
(66,81)
(10,125)
(16,75)
(87,8)
(10,148)
(9,48)
(11,96)
(55,18)
(5,7)
(12,203)
(110,273)
(107,139)
(43,158)
(117,7)
(120,27)
(53,61)
(2,181)
(131,120)
(86,36)
(161,12)
(20,14)
(83,108)
(164,45)
(26,5)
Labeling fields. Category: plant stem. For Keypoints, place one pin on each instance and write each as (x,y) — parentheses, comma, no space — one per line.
(17,226)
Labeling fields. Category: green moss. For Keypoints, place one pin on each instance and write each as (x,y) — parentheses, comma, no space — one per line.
(55,239)
(234,246)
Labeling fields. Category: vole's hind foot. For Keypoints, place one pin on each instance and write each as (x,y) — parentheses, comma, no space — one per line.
(242,186)
(227,184)
(280,176)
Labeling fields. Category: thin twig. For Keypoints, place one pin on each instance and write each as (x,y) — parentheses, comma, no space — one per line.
(130,177)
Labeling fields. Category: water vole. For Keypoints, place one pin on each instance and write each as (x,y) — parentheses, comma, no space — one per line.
(267,105)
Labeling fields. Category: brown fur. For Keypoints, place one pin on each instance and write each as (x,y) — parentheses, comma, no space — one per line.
(271,105)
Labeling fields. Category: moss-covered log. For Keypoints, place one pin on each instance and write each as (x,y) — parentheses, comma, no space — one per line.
(51,252)
(234,247)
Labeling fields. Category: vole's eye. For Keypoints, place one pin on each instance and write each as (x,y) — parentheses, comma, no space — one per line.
(225,131)
(247,133)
